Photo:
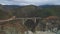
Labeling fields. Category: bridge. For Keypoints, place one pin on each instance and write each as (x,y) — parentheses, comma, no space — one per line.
(24,19)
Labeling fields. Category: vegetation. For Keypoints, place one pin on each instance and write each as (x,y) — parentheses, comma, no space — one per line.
(4,14)
(29,11)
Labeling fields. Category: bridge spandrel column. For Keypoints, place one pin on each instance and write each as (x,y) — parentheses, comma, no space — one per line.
(34,19)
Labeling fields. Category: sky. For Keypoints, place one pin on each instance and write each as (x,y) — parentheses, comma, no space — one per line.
(30,2)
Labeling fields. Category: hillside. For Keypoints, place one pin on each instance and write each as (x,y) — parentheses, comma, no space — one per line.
(5,12)
(30,10)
